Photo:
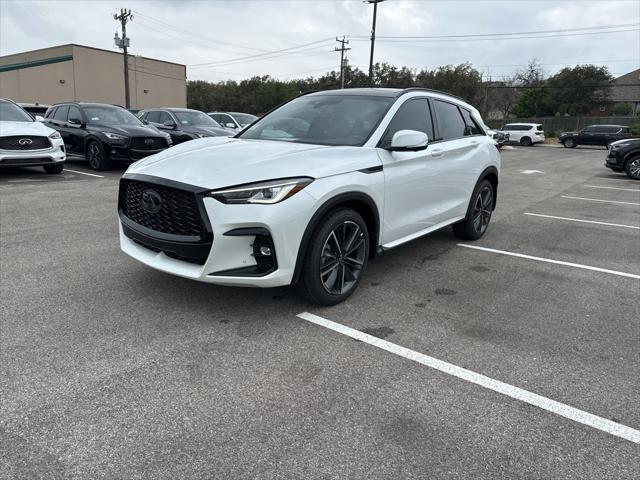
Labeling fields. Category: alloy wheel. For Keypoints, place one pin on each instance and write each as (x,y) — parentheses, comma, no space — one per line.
(634,168)
(94,156)
(482,209)
(342,257)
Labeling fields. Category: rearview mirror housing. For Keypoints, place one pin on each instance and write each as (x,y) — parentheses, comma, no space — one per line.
(408,141)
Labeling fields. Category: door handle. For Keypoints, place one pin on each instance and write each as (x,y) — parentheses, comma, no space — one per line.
(437,152)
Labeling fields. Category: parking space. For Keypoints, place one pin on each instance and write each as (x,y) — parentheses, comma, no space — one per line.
(109,369)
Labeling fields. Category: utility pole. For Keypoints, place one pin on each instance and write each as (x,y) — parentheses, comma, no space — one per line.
(342,49)
(124,17)
(373,37)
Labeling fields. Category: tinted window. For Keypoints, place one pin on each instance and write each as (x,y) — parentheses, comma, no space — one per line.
(323,120)
(590,130)
(75,113)
(153,116)
(194,118)
(538,127)
(450,122)
(224,119)
(512,128)
(216,117)
(61,113)
(10,112)
(412,115)
(244,119)
(470,123)
(165,117)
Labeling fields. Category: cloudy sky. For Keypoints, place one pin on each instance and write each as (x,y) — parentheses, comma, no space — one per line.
(234,39)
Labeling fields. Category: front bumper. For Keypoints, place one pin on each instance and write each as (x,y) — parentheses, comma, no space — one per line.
(34,158)
(236,231)
(614,161)
(123,153)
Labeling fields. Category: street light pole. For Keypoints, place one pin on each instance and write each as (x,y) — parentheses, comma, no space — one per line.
(373,37)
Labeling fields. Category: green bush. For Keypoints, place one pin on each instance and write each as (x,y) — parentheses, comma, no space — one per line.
(622,109)
(635,129)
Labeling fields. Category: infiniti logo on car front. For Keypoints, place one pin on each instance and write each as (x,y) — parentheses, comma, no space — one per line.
(25,141)
(151,201)
(148,141)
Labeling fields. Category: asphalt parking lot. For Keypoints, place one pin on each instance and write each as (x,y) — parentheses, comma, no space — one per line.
(109,369)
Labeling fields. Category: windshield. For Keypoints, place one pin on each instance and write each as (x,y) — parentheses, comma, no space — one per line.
(10,112)
(195,119)
(105,115)
(244,119)
(339,120)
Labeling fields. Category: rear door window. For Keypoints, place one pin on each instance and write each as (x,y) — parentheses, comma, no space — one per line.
(413,114)
(450,121)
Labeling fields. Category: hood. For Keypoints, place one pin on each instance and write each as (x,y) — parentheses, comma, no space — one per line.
(24,128)
(625,141)
(218,162)
(211,131)
(128,130)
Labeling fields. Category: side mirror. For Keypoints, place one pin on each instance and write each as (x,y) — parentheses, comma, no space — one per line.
(409,141)
(230,125)
(145,121)
(39,118)
(170,124)
(75,122)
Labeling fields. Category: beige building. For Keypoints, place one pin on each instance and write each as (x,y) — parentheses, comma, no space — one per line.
(78,73)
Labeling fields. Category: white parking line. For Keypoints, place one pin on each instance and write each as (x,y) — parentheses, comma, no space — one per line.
(549,260)
(84,173)
(581,221)
(516,393)
(600,200)
(615,188)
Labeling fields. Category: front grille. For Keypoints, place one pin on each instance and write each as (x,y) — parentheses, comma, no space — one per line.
(175,256)
(24,142)
(179,213)
(148,143)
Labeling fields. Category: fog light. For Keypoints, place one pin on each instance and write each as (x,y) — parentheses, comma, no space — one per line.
(266,251)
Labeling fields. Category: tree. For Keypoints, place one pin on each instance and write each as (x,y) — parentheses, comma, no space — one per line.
(579,90)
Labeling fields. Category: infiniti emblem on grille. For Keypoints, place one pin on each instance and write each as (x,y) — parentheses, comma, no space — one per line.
(148,141)
(25,141)
(151,201)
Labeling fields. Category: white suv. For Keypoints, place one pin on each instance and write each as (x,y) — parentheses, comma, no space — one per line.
(27,143)
(313,190)
(526,134)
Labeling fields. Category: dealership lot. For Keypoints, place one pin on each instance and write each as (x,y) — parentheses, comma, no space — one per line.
(109,369)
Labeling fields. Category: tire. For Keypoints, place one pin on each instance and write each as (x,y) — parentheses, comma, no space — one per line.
(569,143)
(526,141)
(479,213)
(96,156)
(54,169)
(329,275)
(632,168)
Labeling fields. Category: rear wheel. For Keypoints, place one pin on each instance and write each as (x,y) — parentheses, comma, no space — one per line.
(526,141)
(96,156)
(478,213)
(336,258)
(55,168)
(569,143)
(633,168)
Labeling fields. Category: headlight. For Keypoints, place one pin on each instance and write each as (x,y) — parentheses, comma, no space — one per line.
(114,136)
(264,192)
(55,136)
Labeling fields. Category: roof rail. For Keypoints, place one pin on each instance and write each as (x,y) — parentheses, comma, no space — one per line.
(432,90)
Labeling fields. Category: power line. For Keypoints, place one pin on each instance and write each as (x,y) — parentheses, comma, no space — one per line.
(272,54)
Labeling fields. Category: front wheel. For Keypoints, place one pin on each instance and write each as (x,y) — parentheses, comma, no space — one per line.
(569,143)
(336,258)
(53,169)
(632,168)
(478,213)
(96,156)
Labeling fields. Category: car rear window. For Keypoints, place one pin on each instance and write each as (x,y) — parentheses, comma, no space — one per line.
(538,127)
(450,121)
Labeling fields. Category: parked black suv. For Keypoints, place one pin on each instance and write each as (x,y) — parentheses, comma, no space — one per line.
(594,135)
(625,155)
(183,124)
(104,133)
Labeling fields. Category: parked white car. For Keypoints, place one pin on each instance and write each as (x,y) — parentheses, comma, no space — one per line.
(25,142)
(312,191)
(233,120)
(526,134)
